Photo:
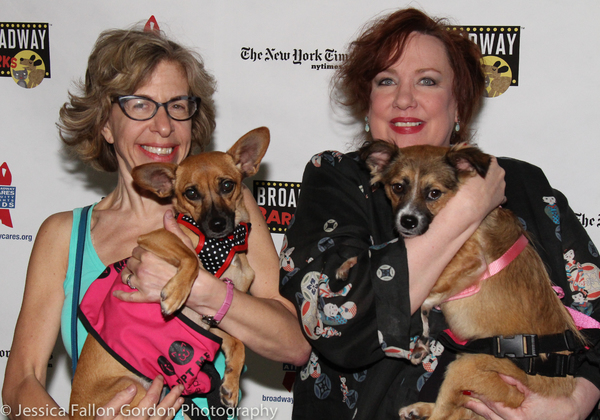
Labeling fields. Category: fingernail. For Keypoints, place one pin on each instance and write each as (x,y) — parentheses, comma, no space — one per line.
(169,214)
(466,392)
(131,389)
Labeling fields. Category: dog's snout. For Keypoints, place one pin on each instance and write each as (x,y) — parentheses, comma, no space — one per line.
(218,224)
(409,221)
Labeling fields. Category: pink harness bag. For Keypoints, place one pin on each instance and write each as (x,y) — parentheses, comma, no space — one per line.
(145,341)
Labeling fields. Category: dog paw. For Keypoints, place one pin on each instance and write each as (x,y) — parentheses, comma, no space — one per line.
(416,358)
(420,351)
(342,272)
(171,299)
(229,396)
(418,411)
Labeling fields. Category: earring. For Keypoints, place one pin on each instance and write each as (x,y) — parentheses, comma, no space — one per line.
(367,128)
(457,126)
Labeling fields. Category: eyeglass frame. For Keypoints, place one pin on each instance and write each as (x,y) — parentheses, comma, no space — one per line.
(195,99)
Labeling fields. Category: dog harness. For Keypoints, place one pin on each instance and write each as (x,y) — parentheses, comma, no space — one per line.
(179,348)
(217,253)
(494,268)
(143,340)
(525,350)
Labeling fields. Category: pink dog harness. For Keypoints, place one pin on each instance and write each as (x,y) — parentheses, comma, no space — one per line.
(494,268)
(178,348)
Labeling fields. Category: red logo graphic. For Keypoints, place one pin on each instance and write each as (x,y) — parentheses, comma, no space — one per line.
(5,179)
(151,25)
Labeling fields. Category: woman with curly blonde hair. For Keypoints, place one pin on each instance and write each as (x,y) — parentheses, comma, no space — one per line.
(145,99)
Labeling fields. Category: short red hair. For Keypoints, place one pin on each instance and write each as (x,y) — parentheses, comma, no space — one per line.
(382,43)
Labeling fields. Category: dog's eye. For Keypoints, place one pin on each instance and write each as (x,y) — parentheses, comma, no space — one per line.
(398,189)
(192,194)
(227,186)
(434,194)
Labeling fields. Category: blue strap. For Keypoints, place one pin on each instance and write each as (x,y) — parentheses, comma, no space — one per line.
(77,284)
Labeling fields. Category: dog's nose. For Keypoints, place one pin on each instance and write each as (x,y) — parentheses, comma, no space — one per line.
(409,222)
(218,224)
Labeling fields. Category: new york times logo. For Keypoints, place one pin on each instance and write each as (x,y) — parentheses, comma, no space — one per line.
(327,59)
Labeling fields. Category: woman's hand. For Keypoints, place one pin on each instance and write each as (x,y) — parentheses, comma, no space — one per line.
(147,408)
(536,407)
(146,273)
(482,195)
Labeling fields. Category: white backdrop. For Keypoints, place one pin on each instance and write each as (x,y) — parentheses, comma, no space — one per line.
(551,118)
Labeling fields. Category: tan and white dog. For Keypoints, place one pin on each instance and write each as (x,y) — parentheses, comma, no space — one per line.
(419,181)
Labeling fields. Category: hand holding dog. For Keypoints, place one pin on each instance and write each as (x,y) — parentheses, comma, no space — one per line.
(482,195)
(166,410)
(578,406)
(150,272)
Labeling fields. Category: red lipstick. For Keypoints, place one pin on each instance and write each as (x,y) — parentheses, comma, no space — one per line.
(407,125)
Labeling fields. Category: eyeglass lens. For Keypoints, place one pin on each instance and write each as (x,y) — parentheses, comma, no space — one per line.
(140,108)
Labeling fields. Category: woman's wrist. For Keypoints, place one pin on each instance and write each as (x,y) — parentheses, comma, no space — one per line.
(213,321)
(208,294)
(586,396)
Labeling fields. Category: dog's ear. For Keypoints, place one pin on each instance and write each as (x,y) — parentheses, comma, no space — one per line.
(249,150)
(465,157)
(377,155)
(158,178)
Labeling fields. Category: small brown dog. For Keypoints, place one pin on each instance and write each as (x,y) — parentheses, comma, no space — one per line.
(419,181)
(208,189)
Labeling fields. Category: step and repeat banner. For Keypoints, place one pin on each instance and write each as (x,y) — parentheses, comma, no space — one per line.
(273,61)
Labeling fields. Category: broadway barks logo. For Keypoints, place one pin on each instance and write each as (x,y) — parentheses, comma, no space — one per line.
(7,195)
(277,201)
(500,47)
(25,52)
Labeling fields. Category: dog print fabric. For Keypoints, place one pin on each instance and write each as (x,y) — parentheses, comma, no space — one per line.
(361,329)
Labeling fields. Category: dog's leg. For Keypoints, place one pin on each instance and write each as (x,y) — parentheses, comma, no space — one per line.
(479,374)
(417,411)
(93,387)
(170,248)
(421,349)
(235,355)
(240,272)
(342,272)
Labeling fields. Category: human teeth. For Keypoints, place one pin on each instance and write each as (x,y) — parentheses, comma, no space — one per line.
(407,124)
(161,151)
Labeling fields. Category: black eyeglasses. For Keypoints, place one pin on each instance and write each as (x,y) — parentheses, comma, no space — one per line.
(140,108)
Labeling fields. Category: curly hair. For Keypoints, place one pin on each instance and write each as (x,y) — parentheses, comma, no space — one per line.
(121,61)
(382,43)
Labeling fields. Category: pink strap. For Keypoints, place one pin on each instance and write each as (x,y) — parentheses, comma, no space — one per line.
(469,291)
(455,338)
(494,268)
(227,303)
(582,321)
(507,258)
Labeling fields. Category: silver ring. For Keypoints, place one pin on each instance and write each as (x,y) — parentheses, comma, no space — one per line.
(128,281)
